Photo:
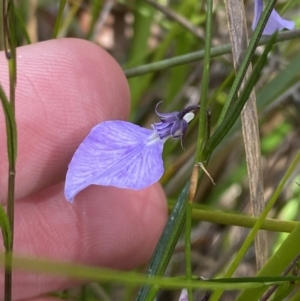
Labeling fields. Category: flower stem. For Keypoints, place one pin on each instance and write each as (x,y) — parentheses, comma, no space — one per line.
(233,219)
(199,55)
(200,142)
(10,52)
(204,84)
(58,20)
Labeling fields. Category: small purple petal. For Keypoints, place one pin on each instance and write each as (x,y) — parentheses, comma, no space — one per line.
(174,124)
(176,129)
(184,130)
(163,129)
(166,117)
(115,153)
(275,22)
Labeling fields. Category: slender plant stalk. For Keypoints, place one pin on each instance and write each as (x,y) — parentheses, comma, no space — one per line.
(64,26)
(200,142)
(228,117)
(187,249)
(199,55)
(10,52)
(88,273)
(232,219)
(204,84)
(58,20)
(23,28)
(165,245)
(95,15)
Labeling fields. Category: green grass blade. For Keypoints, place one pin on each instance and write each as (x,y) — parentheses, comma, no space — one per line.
(241,220)
(89,273)
(289,249)
(22,26)
(280,83)
(95,9)
(237,105)
(9,33)
(204,83)
(166,245)
(58,21)
(201,136)
(11,128)
(6,231)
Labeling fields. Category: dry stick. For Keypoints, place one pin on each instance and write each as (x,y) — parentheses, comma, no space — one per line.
(239,40)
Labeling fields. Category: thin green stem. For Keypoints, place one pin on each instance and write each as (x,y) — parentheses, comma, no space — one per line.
(234,104)
(95,11)
(240,220)
(58,20)
(286,6)
(200,141)
(199,55)
(9,30)
(89,273)
(22,26)
(187,249)
(166,244)
(64,27)
(205,83)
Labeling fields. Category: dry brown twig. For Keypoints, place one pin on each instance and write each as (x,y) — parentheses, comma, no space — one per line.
(239,39)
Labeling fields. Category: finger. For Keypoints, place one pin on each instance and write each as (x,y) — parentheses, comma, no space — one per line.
(109,227)
(64,88)
(44,298)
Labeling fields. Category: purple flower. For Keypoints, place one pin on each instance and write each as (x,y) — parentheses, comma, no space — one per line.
(274,23)
(121,154)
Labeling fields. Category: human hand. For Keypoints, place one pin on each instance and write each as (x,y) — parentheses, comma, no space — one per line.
(64,88)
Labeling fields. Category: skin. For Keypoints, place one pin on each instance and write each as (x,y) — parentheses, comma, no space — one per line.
(64,88)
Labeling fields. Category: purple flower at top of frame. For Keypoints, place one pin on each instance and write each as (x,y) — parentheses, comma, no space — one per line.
(124,155)
(275,22)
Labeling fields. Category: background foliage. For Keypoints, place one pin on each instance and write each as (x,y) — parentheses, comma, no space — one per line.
(149,41)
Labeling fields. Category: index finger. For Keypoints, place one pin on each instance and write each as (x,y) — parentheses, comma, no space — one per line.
(64,88)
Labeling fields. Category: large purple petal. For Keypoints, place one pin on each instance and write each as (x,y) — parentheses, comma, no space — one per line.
(115,153)
(274,23)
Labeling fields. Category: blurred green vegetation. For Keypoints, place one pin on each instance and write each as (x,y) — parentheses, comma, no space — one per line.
(137,33)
